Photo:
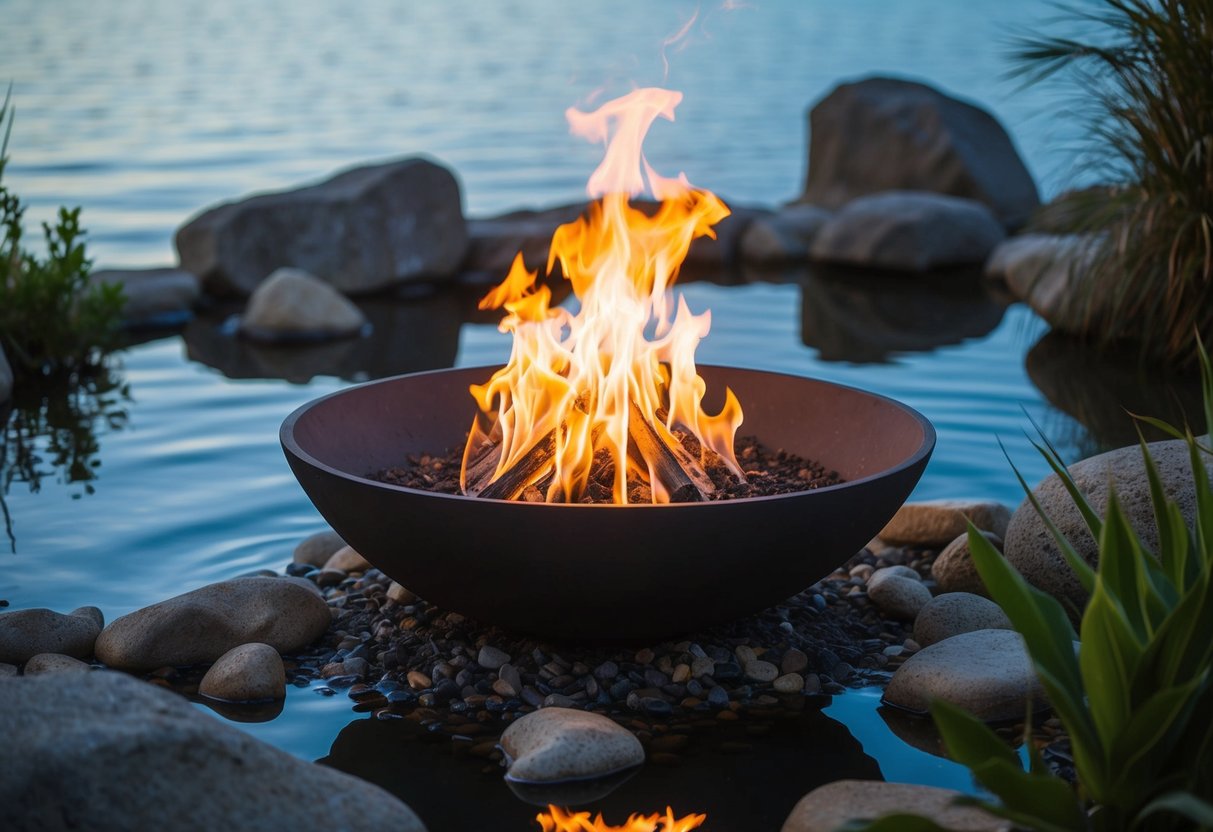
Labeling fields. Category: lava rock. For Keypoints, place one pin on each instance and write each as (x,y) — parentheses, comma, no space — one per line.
(316,549)
(827,808)
(954,613)
(908,231)
(884,134)
(200,626)
(986,672)
(783,237)
(248,673)
(107,752)
(932,524)
(954,570)
(1030,546)
(54,663)
(292,305)
(559,744)
(153,297)
(26,633)
(896,595)
(362,230)
(347,559)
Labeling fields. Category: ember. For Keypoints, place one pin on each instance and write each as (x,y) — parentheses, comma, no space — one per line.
(559,820)
(613,382)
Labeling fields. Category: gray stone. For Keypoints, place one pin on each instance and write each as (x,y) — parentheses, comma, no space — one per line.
(316,549)
(348,559)
(897,595)
(936,523)
(362,230)
(1048,272)
(153,297)
(708,255)
(911,231)
(953,613)
(760,671)
(1030,547)
(491,658)
(494,242)
(783,237)
(6,377)
(200,626)
(26,633)
(55,663)
(986,672)
(830,807)
(789,683)
(884,134)
(248,673)
(954,570)
(292,305)
(560,744)
(106,752)
(7,670)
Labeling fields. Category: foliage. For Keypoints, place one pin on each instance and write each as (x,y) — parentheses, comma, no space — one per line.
(1146,90)
(51,318)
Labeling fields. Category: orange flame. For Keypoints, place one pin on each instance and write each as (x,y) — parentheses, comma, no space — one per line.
(572,376)
(558,820)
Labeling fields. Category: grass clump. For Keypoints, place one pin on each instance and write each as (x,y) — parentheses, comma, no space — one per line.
(1145,86)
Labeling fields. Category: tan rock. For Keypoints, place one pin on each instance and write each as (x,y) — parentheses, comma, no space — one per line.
(400,594)
(26,633)
(316,549)
(953,569)
(55,663)
(954,613)
(347,559)
(827,808)
(897,595)
(560,744)
(936,523)
(291,304)
(248,673)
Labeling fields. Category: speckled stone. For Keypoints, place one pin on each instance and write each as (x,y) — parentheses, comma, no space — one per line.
(953,569)
(986,672)
(827,808)
(248,673)
(761,671)
(897,595)
(55,663)
(954,613)
(318,548)
(559,744)
(26,633)
(347,559)
(935,523)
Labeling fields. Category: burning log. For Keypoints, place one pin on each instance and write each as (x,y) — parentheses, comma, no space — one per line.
(533,466)
(669,463)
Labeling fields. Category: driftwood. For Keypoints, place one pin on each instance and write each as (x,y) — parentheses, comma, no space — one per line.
(677,471)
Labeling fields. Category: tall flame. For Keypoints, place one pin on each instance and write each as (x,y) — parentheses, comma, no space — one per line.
(572,376)
(558,820)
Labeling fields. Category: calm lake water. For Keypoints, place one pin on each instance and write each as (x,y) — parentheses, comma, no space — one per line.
(143,112)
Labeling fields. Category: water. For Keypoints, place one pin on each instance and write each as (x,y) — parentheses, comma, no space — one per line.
(145,112)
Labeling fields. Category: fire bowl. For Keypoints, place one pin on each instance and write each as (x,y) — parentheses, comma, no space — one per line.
(606,573)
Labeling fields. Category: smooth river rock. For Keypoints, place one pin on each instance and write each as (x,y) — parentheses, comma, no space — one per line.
(783,237)
(316,549)
(348,559)
(986,672)
(1048,273)
(828,808)
(936,523)
(153,297)
(200,626)
(885,134)
(105,752)
(364,229)
(248,673)
(552,745)
(292,305)
(26,633)
(897,595)
(954,570)
(953,613)
(55,663)
(1031,548)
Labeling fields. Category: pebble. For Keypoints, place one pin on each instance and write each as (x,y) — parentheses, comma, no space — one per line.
(789,683)
(898,596)
(248,673)
(400,595)
(419,681)
(761,671)
(954,613)
(317,549)
(347,559)
(703,666)
(491,658)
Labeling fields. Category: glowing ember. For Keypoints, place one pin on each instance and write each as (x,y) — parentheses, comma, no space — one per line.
(620,371)
(558,820)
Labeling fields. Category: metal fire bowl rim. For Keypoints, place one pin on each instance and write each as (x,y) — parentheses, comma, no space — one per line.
(924,449)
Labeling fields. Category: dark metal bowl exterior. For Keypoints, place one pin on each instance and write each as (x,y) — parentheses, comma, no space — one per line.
(605,572)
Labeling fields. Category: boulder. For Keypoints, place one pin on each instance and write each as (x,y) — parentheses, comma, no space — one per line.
(552,745)
(26,633)
(714,255)
(248,673)
(935,523)
(316,549)
(200,626)
(830,807)
(153,297)
(106,752)
(954,570)
(6,377)
(910,231)
(348,559)
(884,134)
(1047,272)
(897,595)
(783,237)
(1029,545)
(55,663)
(362,230)
(953,613)
(292,305)
(986,672)
(493,242)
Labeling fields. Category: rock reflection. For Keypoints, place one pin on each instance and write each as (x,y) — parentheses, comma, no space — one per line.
(865,317)
(243,711)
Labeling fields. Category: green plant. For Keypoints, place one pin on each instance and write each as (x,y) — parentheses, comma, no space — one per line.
(51,318)
(1137,698)
(1146,91)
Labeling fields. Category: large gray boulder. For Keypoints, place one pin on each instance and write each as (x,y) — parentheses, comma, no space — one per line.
(885,134)
(200,626)
(783,237)
(1030,547)
(362,230)
(153,297)
(103,751)
(6,377)
(912,231)
(292,305)
(494,242)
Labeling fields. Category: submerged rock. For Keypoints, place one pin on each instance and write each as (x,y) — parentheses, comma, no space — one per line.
(26,633)
(558,744)
(200,626)
(364,229)
(908,231)
(292,305)
(105,752)
(884,134)
(316,549)
(935,523)
(953,613)
(830,807)
(248,673)
(153,297)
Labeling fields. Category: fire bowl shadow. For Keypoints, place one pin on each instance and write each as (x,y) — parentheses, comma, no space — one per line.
(605,573)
